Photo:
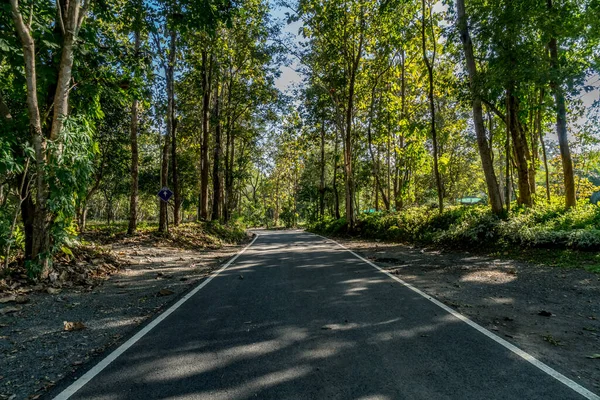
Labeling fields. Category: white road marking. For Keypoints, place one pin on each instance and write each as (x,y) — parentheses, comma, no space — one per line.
(88,376)
(524,355)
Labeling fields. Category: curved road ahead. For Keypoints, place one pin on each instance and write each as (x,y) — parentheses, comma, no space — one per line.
(298,317)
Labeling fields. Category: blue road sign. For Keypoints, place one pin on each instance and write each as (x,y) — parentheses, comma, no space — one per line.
(165,194)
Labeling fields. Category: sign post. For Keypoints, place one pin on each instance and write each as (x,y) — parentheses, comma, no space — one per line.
(165,195)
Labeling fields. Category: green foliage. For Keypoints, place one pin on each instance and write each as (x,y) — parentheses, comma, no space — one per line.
(544,226)
(69,172)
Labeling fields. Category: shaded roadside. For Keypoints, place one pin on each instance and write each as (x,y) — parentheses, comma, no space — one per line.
(53,335)
(551,313)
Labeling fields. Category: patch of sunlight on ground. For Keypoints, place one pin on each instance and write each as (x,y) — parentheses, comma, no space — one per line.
(489,277)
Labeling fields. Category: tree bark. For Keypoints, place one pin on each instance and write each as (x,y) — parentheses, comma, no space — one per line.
(561,123)
(133,134)
(507,177)
(169,68)
(336,195)
(349,174)
(485,152)
(216,212)
(374,161)
(545,158)
(429,65)
(204,165)
(322,172)
(521,150)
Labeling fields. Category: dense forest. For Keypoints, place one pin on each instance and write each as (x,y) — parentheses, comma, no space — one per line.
(414,120)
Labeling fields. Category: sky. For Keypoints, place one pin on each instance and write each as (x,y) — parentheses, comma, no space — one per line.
(289,77)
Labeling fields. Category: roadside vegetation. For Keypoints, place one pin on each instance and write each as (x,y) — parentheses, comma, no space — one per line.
(547,234)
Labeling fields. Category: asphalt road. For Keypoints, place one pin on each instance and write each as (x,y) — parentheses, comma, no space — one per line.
(297,317)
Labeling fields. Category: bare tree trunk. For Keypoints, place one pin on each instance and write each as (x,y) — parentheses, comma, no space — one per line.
(429,65)
(164,177)
(216,214)
(70,27)
(336,195)
(374,162)
(485,152)
(507,178)
(172,128)
(521,150)
(561,124)
(133,134)
(204,167)
(347,142)
(545,157)
(322,173)
(229,193)
(169,68)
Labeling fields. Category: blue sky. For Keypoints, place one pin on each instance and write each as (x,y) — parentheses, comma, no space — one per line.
(289,76)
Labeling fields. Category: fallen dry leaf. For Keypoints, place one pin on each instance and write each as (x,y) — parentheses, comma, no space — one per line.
(52,290)
(73,326)
(165,292)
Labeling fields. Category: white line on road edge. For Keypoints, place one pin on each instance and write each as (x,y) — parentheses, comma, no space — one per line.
(526,356)
(88,376)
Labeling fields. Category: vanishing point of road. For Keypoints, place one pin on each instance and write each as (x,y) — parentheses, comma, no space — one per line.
(298,317)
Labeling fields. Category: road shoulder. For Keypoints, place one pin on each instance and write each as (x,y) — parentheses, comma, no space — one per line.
(553,314)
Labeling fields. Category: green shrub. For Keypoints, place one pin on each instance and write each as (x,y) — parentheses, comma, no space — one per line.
(543,226)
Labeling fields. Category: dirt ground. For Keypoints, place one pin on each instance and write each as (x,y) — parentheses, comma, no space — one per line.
(36,347)
(551,313)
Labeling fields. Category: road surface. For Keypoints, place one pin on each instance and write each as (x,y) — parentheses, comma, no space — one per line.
(298,317)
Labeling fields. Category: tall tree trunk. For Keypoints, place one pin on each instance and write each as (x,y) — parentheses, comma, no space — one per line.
(399,183)
(322,173)
(229,192)
(175,175)
(389,166)
(429,65)
(216,214)
(70,27)
(561,123)
(133,134)
(336,194)
(172,126)
(227,171)
(347,136)
(507,177)
(204,165)
(169,68)
(485,151)
(164,178)
(521,150)
(545,158)
(348,173)
(375,162)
